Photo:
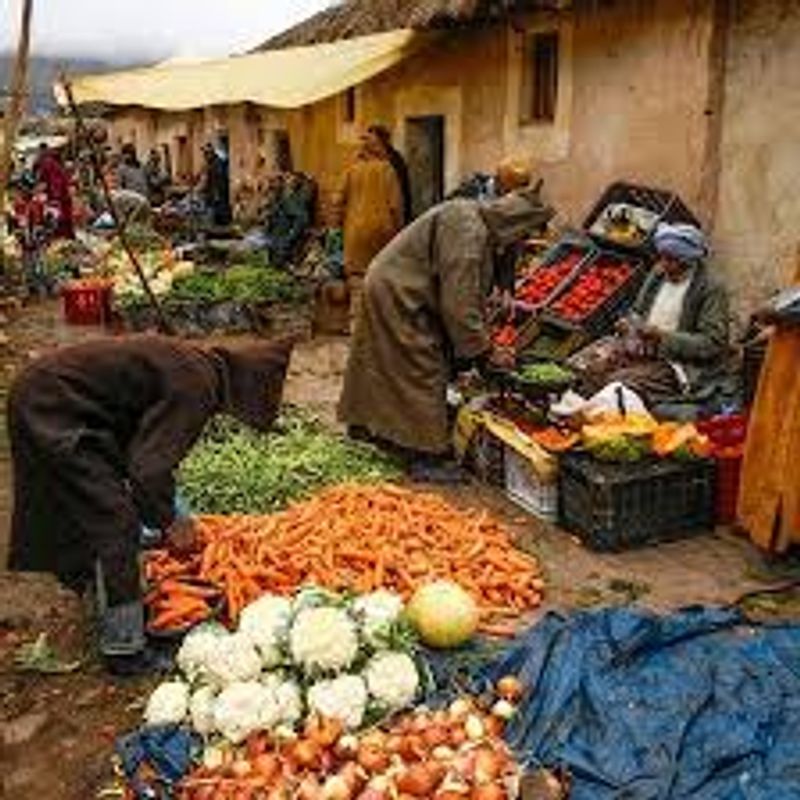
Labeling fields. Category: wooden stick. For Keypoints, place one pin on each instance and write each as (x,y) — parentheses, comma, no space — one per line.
(119,227)
(16,106)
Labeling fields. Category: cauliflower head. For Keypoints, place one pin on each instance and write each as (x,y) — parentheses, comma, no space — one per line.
(266,622)
(243,709)
(168,705)
(343,698)
(197,648)
(323,640)
(234,660)
(201,710)
(392,679)
(290,703)
(377,612)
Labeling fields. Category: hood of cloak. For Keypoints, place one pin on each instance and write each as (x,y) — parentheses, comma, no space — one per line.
(251,380)
(516,216)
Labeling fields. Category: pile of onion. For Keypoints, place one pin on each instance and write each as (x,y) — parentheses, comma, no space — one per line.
(456,753)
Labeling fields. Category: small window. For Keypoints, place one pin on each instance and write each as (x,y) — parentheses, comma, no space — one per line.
(349,106)
(540,81)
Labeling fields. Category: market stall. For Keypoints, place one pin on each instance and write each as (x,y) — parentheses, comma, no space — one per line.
(603,464)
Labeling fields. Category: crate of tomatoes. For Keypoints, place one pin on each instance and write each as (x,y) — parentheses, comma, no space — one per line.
(540,285)
(598,294)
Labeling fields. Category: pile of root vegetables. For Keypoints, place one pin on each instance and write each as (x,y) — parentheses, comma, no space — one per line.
(456,753)
(362,539)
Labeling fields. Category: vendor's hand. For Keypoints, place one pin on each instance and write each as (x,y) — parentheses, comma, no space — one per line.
(651,333)
(182,536)
(623,326)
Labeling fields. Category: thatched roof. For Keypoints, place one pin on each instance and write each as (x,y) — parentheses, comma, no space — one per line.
(362,17)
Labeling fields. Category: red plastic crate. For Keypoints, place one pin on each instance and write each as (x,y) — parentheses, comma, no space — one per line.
(87,303)
(727,435)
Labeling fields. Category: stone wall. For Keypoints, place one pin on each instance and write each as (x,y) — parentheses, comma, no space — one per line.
(757,226)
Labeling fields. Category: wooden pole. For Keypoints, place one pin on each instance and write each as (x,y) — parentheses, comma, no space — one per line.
(14,111)
(85,135)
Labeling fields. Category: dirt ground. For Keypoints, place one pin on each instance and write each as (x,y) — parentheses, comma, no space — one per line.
(56,733)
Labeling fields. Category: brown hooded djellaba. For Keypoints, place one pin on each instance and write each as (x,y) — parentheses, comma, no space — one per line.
(96,433)
(423,310)
(769,498)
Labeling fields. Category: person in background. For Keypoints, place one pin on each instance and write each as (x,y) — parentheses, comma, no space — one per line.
(674,342)
(769,497)
(371,211)
(29,224)
(157,177)
(131,173)
(51,172)
(400,167)
(424,318)
(96,432)
(217,186)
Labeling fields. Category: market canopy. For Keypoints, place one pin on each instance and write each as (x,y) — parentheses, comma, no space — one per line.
(288,78)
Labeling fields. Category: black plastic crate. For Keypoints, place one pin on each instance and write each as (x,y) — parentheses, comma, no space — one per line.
(601,320)
(615,507)
(668,206)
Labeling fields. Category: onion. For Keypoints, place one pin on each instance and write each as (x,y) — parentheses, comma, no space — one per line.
(489,791)
(324,731)
(420,780)
(309,789)
(306,753)
(457,735)
(504,710)
(393,743)
(336,788)
(267,766)
(509,688)
(488,765)
(412,748)
(474,728)
(444,614)
(373,759)
(347,746)
(435,735)
(460,708)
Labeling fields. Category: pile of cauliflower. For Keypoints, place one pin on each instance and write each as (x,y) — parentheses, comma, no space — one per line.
(314,654)
(160,268)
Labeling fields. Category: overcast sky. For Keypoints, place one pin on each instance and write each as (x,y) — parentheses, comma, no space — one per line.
(153,28)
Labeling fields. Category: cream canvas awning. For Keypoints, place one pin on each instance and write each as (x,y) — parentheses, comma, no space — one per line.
(279,78)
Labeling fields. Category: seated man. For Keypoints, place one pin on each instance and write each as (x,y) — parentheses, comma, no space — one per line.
(674,341)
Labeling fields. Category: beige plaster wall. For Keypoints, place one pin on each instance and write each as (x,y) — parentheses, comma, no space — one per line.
(640,92)
(757,230)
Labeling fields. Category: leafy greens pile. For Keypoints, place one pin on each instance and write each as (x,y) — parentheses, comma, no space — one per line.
(236,470)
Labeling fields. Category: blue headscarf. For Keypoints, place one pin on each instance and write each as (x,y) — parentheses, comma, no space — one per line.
(683,242)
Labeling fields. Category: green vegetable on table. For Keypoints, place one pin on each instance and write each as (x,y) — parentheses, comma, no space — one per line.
(545,374)
(236,470)
(620,449)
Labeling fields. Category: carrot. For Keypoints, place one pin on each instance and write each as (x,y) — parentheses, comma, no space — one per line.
(361,538)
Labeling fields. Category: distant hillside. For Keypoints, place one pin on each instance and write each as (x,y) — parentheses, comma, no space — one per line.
(43,72)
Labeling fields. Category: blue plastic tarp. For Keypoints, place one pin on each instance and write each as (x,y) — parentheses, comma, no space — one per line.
(699,704)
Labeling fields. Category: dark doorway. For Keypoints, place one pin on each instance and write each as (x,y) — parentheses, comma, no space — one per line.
(425,155)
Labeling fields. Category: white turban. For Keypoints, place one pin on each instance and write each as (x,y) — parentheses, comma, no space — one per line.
(683,242)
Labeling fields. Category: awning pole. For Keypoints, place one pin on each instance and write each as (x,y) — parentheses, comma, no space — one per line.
(97,167)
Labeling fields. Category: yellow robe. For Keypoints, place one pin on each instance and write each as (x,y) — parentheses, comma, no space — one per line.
(769,499)
(373,212)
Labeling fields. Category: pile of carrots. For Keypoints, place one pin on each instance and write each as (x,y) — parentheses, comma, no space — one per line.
(363,538)
(177,600)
